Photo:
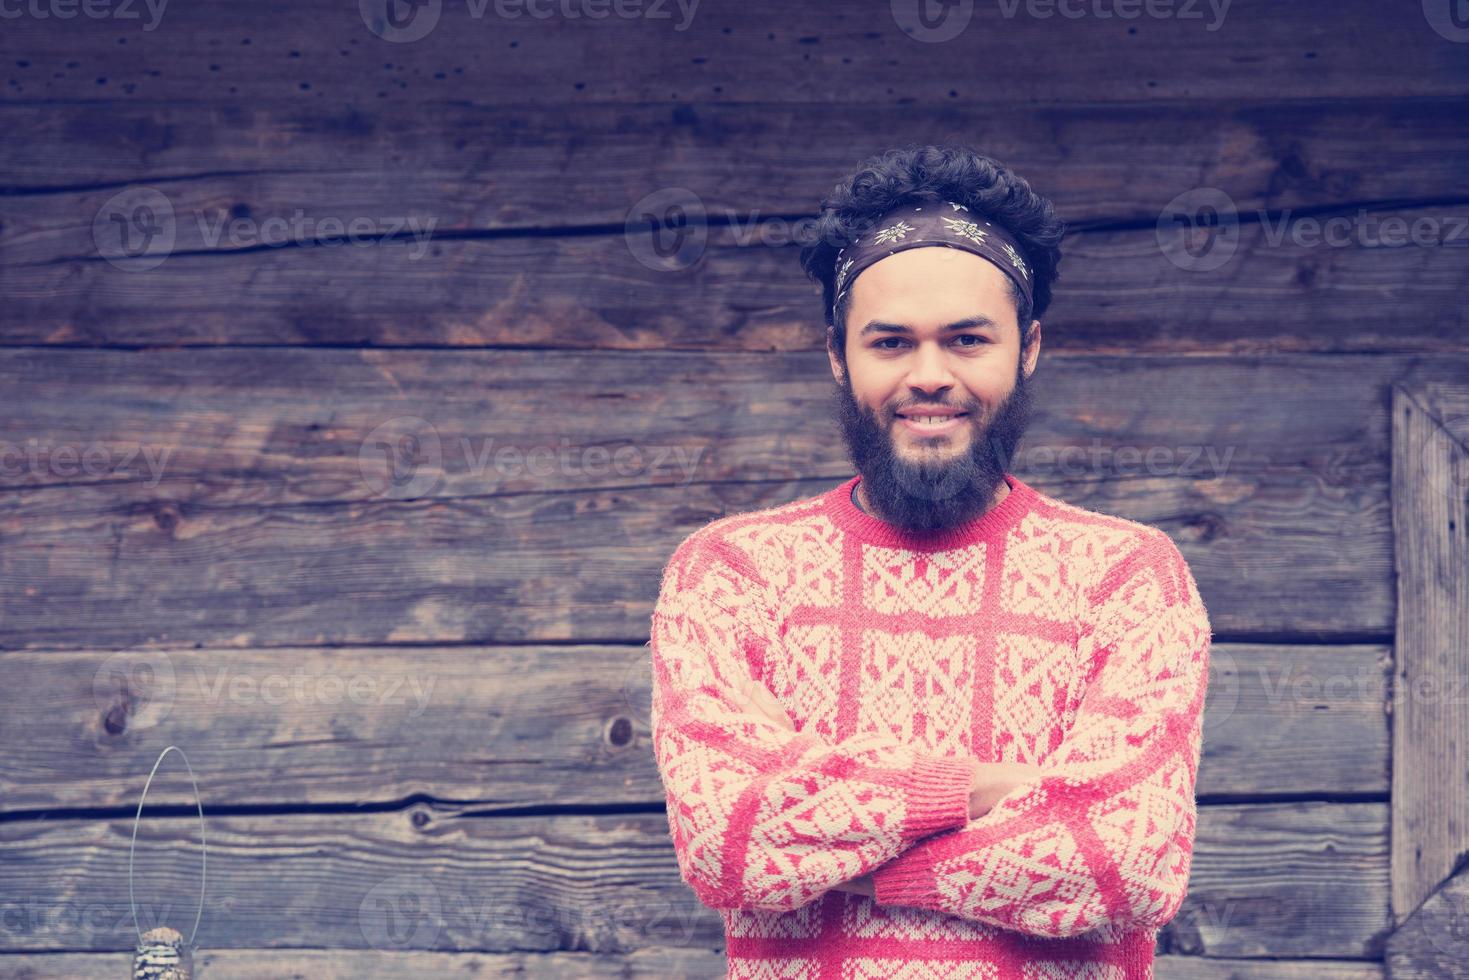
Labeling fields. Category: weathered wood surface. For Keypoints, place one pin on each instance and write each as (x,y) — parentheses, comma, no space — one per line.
(1430,785)
(645,964)
(1290,880)
(324,53)
(1129,289)
(514,726)
(275,518)
(1434,941)
(585,166)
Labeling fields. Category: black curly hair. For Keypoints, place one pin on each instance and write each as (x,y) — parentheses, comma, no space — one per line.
(948,173)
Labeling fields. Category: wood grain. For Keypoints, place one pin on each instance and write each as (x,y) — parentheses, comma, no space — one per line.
(325,54)
(581,166)
(357,497)
(1433,941)
(1282,285)
(519,726)
(1430,786)
(1290,880)
(645,964)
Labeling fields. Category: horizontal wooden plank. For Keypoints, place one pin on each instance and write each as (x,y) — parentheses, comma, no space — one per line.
(1031,53)
(270,498)
(645,964)
(524,725)
(1284,285)
(589,165)
(1205,968)
(658,963)
(1292,880)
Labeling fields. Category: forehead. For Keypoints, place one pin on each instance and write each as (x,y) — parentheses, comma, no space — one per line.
(934,282)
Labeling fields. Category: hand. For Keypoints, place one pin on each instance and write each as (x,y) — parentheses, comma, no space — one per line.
(992,781)
(858,886)
(756,698)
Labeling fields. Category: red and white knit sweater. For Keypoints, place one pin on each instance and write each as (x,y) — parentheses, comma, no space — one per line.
(1038,633)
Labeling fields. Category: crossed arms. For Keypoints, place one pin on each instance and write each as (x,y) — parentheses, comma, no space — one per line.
(764,816)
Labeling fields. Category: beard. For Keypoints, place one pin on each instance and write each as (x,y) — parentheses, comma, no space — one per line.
(933,489)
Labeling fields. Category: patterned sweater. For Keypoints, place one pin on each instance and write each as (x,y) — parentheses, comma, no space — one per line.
(1038,633)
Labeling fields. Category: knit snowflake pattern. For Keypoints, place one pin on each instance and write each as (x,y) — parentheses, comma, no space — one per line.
(1070,640)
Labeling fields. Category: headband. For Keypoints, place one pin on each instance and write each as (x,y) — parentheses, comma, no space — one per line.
(930,222)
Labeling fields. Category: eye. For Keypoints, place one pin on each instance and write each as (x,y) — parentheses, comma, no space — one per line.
(880,343)
(979,341)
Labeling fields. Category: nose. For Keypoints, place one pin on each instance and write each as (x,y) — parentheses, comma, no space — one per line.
(929,369)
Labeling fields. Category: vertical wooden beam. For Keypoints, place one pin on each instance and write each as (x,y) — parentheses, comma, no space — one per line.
(1430,739)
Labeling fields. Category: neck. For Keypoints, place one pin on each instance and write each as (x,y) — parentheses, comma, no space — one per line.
(865,506)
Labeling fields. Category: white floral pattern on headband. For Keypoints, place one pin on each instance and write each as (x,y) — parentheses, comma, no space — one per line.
(968,229)
(892,233)
(1016,260)
(842,273)
(896,234)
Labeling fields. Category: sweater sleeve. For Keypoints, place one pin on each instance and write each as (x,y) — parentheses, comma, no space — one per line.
(763,817)
(1104,837)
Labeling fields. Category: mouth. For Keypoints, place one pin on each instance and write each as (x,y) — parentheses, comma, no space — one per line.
(931,423)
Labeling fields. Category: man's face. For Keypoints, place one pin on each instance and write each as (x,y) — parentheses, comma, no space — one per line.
(934,398)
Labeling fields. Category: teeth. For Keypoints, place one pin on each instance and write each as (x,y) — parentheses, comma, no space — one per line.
(931,419)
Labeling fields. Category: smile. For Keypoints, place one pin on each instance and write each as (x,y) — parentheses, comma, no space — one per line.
(931,425)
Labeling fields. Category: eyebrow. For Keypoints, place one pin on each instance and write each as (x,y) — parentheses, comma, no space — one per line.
(969,323)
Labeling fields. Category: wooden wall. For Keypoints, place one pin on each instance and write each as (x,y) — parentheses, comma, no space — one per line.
(251,502)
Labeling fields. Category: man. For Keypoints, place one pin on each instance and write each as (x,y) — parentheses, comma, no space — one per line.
(932,722)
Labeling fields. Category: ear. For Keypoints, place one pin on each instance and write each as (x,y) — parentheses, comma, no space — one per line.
(1031,355)
(831,354)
